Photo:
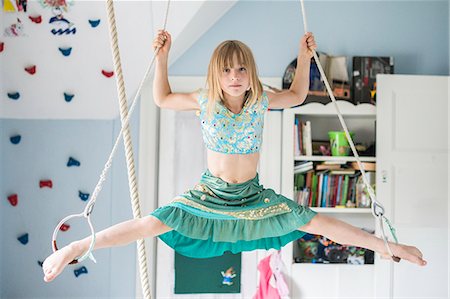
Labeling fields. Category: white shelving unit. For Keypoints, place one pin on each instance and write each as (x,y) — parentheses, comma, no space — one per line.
(328,280)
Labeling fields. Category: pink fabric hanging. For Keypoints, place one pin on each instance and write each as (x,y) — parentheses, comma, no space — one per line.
(271,281)
(276,264)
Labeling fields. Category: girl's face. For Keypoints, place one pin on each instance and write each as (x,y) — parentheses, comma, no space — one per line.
(234,80)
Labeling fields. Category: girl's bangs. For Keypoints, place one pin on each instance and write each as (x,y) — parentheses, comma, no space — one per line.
(228,52)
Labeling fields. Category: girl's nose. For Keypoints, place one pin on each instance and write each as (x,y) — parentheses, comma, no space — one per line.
(234,75)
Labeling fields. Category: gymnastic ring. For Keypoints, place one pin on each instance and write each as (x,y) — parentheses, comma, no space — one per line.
(88,253)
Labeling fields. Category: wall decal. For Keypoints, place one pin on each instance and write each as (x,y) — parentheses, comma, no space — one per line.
(68,97)
(64,227)
(31,69)
(13,95)
(15,139)
(73,162)
(79,271)
(65,51)
(23,239)
(35,19)
(83,196)
(94,23)
(107,74)
(15,29)
(45,184)
(13,199)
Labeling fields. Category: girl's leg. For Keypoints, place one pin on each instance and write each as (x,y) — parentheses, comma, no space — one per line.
(346,234)
(116,235)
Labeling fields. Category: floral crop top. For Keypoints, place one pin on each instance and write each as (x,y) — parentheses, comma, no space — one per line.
(229,133)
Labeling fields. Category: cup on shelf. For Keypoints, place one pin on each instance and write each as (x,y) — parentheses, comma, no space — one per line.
(339,143)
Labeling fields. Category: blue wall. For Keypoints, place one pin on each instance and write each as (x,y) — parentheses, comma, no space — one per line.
(416,33)
(43,153)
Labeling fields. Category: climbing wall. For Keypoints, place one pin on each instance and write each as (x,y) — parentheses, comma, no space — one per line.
(58,121)
(57,63)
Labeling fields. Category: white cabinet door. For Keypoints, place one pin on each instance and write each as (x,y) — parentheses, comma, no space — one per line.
(412,177)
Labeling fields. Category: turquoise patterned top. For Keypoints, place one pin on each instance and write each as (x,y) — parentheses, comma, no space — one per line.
(230,133)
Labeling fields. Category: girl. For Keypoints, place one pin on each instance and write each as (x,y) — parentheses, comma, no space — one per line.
(228,210)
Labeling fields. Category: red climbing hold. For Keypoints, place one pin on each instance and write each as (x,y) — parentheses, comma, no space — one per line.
(64,227)
(36,20)
(13,199)
(2,46)
(31,70)
(107,74)
(45,183)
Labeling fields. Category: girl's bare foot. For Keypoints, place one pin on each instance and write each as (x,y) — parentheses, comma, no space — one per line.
(405,252)
(55,263)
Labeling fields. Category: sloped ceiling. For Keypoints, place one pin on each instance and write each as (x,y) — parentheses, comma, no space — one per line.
(80,73)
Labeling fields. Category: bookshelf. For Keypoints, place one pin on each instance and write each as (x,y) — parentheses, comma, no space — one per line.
(360,119)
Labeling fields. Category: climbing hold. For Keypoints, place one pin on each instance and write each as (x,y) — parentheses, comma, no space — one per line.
(31,69)
(94,23)
(45,183)
(73,162)
(23,239)
(36,19)
(79,271)
(13,199)
(40,263)
(68,97)
(107,74)
(13,95)
(83,196)
(65,51)
(64,227)
(2,46)
(15,139)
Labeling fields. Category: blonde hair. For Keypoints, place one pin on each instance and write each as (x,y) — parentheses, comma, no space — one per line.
(222,58)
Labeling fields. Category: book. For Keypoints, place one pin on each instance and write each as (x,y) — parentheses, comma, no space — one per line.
(327,166)
(341,171)
(297,151)
(307,141)
(314,190)
(302,164)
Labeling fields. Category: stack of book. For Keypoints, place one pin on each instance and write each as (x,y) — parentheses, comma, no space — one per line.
(303,166)
(332,184)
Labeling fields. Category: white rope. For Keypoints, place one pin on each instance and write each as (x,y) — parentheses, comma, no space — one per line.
(125,118)
(377,207)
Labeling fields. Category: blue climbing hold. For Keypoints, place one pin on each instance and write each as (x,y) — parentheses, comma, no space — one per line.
(23,239)
(79,271)
(65,51)
(73,162)
(15,139)
(83,196)
(40,263)
(13,95)
(68,97)
(94,23)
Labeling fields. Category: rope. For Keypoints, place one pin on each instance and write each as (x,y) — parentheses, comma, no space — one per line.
(376,206)
(143,269)
(125,118)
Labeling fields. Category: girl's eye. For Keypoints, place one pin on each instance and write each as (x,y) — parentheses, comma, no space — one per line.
(226,70)
(242,69)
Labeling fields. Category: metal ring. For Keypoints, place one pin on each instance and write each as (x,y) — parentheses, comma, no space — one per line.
(91,246)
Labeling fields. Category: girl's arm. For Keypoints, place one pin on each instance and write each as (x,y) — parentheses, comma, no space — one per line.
(122,234)
(162,94)
(298,91)
(346,234)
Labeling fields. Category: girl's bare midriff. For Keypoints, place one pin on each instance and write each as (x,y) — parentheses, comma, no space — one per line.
(233,168)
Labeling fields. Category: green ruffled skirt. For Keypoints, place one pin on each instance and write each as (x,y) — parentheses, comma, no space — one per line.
(216,216)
